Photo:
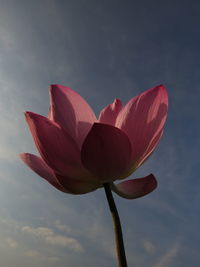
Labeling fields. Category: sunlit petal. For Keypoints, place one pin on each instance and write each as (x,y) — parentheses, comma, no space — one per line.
(109,114)
(70,110)
(142,119)
(135,188)
(56,147)
(42,169)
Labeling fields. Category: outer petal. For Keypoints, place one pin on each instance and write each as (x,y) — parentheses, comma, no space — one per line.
(77,186)
(142,119)
(135,188)
(42,169)
(56,147)
(109,114)
(153,144)
(106,152)
(50,115)
(71,111)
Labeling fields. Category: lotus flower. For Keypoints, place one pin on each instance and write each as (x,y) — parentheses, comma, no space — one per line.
(79,153)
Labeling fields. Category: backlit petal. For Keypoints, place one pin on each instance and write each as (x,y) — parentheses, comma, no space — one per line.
(152,145)
(106,152)
(135,188)
(71,111)
(56,147)
(41,168)
(142,119)
(109,114)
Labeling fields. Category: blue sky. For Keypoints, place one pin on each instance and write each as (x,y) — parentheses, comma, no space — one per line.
(103,50)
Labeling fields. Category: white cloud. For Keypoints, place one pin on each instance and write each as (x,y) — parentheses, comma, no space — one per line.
(48,235)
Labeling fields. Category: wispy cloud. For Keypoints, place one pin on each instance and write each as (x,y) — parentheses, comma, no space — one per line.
(148,246)
(166,259)
(50,237)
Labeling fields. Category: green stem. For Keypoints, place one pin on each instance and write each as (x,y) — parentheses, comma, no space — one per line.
(117,227)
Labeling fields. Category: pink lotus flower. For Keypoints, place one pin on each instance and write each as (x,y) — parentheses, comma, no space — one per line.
(79,153)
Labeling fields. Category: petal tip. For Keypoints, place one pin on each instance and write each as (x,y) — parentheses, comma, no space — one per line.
(53,86)
(161,88)
(24,156)
(158,88)
(29,114)
(21,155)
(117,100)
(152,183)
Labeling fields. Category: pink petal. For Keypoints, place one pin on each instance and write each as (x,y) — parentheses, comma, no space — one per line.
(71,111)
(77,186)
(109,114)
(41,168)
(56,147)
(154,142)
(50,115)
(106,152)
(142,119)
(135,188)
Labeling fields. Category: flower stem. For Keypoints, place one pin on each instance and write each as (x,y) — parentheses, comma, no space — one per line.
(117,227)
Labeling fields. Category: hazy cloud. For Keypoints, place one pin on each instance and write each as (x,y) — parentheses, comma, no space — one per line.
(11,242)
(168,257)
(36,255)
(62,227)
(148,246)
(50,237)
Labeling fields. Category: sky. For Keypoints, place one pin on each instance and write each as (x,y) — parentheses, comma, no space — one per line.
(103,50)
